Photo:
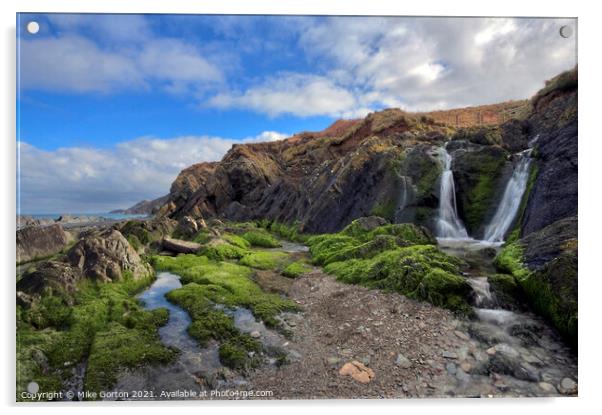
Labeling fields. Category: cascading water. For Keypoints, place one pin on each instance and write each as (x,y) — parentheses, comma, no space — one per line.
(449,224)
(508,207)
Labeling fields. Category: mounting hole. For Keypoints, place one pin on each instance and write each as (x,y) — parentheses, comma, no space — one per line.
(566,31)
(33,27)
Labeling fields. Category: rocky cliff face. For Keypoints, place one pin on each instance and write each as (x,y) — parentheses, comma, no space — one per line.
(145,207)
(384,164)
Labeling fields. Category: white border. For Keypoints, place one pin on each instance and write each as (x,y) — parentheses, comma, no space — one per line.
(590,151)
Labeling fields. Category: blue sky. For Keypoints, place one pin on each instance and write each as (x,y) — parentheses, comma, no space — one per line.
(111,107)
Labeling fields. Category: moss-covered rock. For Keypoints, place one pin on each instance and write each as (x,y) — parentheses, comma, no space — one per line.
(296,269)
(265,260)
(219,250)
(261,239)
(507,291)
(478,175)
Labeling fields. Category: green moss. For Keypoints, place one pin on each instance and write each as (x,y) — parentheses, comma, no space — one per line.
(264,260)
(261,239)
(106,324)
(420,271)
(178,264)
(134,242)
(296,269)
(506,289)
(510,260)
(118,347)
(240,352)
(385,209)
(237,241)
(202,237)
(228,284)
(224,250)
(290,232)
(444,289)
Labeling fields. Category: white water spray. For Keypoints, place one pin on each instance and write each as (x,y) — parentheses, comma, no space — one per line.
(449,224)
(511,200)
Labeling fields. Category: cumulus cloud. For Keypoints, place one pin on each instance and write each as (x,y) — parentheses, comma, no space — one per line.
(74,63)
(365,63)
(291,93)
(82,180)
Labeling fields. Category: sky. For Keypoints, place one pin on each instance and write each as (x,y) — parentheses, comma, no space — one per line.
(110,108)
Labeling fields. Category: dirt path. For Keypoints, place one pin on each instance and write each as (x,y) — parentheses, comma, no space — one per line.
(412,349)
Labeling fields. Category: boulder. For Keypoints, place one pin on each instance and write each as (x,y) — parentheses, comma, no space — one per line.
(181,246)
(40,241)
(48,277)
(187,227)
(105,255)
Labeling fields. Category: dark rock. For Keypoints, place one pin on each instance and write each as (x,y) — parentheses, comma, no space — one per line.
(40,241)
(550,242)
(48,277)
(554,130)
(187,227)
(105,255)
(506,290)
(515,135)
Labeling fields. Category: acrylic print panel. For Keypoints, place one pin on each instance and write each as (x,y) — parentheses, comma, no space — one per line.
(284,207)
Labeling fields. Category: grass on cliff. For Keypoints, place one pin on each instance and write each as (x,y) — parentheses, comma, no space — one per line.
(104,318)
(400,258)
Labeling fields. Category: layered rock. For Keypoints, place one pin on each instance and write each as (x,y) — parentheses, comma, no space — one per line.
(40,241)
(383,164)
(145,207)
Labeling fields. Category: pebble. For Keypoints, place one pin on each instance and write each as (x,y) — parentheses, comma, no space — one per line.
(462,375)
(449,355)
(547,387)
(451,368)
(333,360)
(490,351)
(568,385)
(466,366)
(403,361)
(255,334)
(461,335)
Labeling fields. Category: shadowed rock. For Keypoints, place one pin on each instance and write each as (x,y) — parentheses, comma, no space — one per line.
(40,241)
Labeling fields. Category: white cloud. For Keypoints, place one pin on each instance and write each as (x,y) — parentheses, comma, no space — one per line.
(74,63)
(417,63)
(81,180)
(291,93)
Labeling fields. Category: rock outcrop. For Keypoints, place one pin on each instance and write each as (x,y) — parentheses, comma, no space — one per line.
(40,241)
(384,164)
(180,246)
(104,256)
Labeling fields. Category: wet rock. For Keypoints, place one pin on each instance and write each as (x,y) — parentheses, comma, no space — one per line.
(255,334)
(403,361)
(461,335)
(180,246)
(40,241)
(451,368)
(547,387)
(487,333)
(103,256)
(462,375)
(567,386)
(358,371)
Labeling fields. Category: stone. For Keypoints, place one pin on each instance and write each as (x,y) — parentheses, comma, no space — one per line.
(105,255)
(451,368)
(40,241)
(462,375)
(358,371)
(461,335)
(255,334)
(333,360)
(547,387)
(187,227)
(466,366)
(449,355)
(403,361)
(180,246)
(48,277)
(567,386)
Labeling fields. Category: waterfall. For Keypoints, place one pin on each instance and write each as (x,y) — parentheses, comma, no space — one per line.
(449,224)
(511,200)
